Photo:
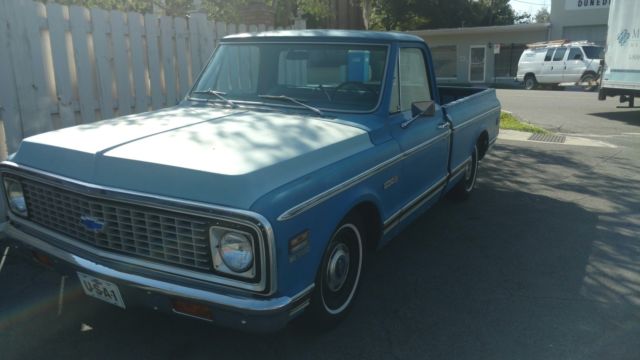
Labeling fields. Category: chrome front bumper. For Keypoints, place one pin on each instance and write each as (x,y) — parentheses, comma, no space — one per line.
(228,309)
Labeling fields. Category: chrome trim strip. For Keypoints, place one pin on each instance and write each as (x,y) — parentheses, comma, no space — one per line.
(468,122)
(414,204)
(455,172)
(299,308)
(492,143)
(260,224)
(327,194)
(234,302)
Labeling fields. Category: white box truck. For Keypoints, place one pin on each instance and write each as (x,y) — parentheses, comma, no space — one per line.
(621,69)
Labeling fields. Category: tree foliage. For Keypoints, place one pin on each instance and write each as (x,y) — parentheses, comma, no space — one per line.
(434,14)
(542,16)
(377,14)
(122,5)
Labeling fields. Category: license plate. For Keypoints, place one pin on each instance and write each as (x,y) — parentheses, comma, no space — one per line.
(101,289)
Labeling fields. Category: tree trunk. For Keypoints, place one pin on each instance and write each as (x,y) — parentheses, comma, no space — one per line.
(366,12)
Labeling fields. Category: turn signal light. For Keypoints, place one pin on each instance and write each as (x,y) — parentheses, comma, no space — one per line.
(193,309)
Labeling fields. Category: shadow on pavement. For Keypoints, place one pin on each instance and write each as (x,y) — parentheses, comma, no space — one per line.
(508,274)
(631,117)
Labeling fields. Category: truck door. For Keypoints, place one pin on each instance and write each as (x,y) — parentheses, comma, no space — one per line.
(575,65)
(546,71)
(424,142)
(557,66)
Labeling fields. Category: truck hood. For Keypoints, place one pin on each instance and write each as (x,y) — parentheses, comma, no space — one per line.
(212,155)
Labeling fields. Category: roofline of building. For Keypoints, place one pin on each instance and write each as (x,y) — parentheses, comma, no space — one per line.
(482,29)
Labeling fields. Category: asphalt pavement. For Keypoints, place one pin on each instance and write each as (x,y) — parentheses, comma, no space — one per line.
(543,262)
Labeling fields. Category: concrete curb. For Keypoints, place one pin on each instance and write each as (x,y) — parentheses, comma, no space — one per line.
(513,135)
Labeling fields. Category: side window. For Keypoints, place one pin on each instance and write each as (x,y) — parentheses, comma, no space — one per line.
(414,83)
(559,55)
(575,54)
(549,55)
(394,104)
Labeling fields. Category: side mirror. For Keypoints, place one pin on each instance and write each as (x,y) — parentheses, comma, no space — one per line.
(423,108)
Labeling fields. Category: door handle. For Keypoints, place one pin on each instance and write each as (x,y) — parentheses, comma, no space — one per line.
(443,125)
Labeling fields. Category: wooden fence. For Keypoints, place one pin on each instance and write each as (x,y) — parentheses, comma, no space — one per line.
(63,66)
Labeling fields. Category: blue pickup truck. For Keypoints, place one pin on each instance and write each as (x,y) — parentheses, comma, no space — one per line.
(259,196)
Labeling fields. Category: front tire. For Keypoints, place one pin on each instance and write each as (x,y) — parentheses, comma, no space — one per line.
(463,189)
(530,82)
(591,80)
(339,275)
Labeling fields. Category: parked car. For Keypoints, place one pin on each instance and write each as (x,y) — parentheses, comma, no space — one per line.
(258,197)
(560,63)
(621,75)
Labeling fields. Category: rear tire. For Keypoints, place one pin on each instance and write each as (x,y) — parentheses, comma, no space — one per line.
(462,190)
(339,275)
(530,82)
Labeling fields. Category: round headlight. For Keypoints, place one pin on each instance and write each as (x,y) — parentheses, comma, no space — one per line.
(236,252)
(16,197)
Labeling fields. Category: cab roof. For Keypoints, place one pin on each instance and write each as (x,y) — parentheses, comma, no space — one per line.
(325,35)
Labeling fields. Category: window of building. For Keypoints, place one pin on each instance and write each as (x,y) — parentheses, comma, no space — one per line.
(444,60)
(506,62)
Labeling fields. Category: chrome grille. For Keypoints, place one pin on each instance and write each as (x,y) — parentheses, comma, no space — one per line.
(140,231)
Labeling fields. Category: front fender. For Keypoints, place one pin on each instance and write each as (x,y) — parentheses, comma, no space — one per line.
(322,218)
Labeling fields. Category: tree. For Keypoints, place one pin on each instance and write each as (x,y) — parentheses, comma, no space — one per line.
(492,12)
(542,16)
(394,15)
(127,5)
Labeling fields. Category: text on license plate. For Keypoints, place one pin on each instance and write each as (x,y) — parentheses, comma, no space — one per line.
(101,289)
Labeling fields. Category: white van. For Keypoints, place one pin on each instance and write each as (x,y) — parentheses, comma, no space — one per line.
(560,63)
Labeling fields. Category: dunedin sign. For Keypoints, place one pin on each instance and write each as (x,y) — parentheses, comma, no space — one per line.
(586,4)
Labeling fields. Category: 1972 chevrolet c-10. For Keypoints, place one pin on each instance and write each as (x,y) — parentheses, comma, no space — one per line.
(258,197)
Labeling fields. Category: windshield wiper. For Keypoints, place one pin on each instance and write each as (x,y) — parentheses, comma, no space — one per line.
(219,95)
(295,101)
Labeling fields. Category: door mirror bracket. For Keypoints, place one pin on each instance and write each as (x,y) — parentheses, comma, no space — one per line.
(418,109)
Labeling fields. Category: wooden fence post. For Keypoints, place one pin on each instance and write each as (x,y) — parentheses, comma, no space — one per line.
(58,72)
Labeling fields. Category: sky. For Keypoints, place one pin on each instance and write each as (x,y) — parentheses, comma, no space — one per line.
(530,6)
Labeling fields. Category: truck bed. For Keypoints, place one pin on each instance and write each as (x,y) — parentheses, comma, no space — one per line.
(472,112)
(452,93)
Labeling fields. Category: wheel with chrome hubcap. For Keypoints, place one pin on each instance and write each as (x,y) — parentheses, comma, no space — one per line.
(339,275)
(463,189)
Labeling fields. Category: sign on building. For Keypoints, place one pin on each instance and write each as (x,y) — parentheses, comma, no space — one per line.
(586,4)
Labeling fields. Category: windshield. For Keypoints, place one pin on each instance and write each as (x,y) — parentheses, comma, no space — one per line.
(594,52)
(339,77)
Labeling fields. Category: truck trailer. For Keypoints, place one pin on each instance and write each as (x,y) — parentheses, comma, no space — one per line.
(621,67)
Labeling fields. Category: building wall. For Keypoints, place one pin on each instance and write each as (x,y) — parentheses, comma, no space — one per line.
(511,45)
(580,20)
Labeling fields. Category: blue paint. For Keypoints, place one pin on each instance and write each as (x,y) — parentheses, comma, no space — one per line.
(269,159)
